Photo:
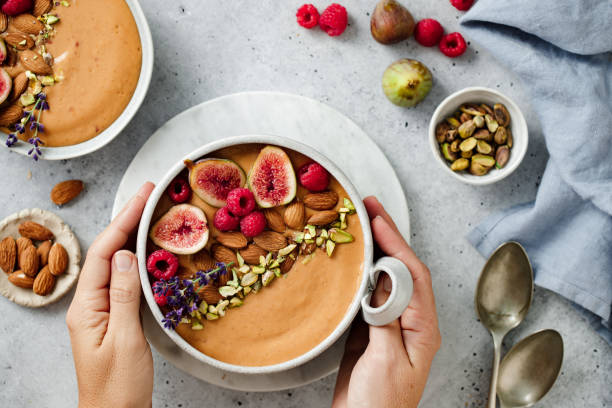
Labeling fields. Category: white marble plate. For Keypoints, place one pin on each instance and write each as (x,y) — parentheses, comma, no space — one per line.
(292,116)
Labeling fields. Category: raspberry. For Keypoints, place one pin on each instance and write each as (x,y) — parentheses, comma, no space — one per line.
(313,176)
(307,16)
(162,264)
(225,220)
(462,5)
(179,190)
(161,299)
(240,202)
(452,45)
(14,7)
(334,20)
(253,224)
(428,32)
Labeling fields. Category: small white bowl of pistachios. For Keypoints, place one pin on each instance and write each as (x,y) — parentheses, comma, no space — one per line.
(478,135)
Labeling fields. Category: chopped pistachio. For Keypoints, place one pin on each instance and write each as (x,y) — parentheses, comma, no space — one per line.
(319,241)
(203,307)
(212,309)
(27,99)
(196,325)
(287,250)
(267,277)
(298,237)
(47,80)
(259,269)
(342,218)
(348,204)
(22,42)
(185,320)
(65,3)
(52,19)
(340,236)
(30,75)
(262,260)
(240,259)
(235,302)
(268,258)
(246,290)
(329,247)
(277,272)
(211,316)
(256,286)
(248,279)
(324,234)
(312,230)
(244,269)
(343,210)
(227,291)
(307,236)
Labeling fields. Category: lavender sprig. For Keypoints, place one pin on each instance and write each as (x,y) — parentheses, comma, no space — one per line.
(40,105)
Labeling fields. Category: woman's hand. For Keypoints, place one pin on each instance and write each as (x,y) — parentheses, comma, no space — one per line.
(111,355)
(388,366)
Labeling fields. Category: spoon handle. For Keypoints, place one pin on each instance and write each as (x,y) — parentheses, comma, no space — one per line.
(497,340)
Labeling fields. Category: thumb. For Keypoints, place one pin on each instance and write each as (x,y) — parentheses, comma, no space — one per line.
(390,334)
(124,292)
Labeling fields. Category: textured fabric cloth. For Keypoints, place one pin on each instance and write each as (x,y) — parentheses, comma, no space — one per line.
(561,51)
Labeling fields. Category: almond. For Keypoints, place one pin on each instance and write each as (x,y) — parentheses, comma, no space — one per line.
(288,263)
(41,7)
(11,61)
(66,191)
(202,260)
(27,23)
(323,218)
(43,253)
(22,244)
(28,261)
(252,253)
(3,22)
(20,84)
(210,294)
(34,62)
(8,254)
(274,220)
(235,240)
(18,278)
(184,273)
(321,201)
(294,215)
(35,231)
(224,254)
(224,277)
(11,115)
(270,241)
(44,282)
(58,259)
(19,41)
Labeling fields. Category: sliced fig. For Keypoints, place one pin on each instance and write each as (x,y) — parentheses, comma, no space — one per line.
(6,84)
(213,179)
(272,179)
(183,230)
(3,52)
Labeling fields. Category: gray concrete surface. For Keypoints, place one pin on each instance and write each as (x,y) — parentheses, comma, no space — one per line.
(212,48)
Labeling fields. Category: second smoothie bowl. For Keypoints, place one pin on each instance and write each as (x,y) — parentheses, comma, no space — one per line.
(255,254)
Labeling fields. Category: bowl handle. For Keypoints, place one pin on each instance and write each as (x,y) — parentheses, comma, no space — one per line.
(399,298)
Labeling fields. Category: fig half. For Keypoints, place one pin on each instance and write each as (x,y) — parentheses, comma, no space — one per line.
(213,179)
(6,84)
(3,52)
(272,178)
(182,230)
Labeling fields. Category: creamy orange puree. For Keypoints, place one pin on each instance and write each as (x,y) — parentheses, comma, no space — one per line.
(295,312)
(96,48)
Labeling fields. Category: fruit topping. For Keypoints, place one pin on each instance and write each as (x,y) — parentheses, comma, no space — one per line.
(179,190)
(272,179)
(391,22)
(240,202)
(428,32)
(162,264)
(308,16)
(213,179)
(452,45)
(182,230)
(3,52)
(314,177)
(14,7)
(6,83)
(226,221)
(462,5)
(253,224)
(334,20)
(407,82)
(161,298)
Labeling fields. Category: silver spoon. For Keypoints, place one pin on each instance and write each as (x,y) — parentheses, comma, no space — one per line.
(530,369)
(503,296)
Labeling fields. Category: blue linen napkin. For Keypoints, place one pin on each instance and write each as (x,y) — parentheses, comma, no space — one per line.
(560,49)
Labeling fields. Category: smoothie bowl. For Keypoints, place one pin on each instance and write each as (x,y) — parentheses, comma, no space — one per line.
(73,74)
(255,254)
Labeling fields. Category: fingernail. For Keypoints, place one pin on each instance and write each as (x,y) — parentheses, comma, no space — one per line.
(123,261)
(387,283)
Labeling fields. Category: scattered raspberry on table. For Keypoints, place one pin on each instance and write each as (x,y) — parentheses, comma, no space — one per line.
(428,32)
(334,20)
(452,45)
(308,16)
(462,5)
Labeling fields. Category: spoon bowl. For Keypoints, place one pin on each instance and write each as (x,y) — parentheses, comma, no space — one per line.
(530,369)
(503,297)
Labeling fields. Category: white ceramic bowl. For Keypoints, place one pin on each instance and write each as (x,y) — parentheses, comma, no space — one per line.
(146,70)
(489,96)
(401,278)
